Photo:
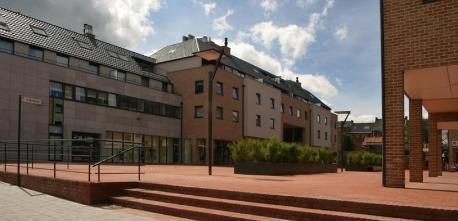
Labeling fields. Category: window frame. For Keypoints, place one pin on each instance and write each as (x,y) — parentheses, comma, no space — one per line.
(235,93)
(258,98)
(196,108)
(199,87)
(219,113)
(219,89)
(236,120)
(32,48)
(66,64)
(272,103)
(9,42)
(272,123)
(258,120)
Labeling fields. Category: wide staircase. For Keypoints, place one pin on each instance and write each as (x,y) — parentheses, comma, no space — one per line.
(210,204)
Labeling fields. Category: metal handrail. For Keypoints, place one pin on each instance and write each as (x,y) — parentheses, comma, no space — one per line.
(113,156)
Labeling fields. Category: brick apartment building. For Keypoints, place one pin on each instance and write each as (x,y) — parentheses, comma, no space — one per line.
(419,60)
(88,88)
(252,102)
(365,136)
(93,89)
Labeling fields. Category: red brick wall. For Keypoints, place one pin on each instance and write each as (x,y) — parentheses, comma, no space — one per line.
(415,141)
(416,35)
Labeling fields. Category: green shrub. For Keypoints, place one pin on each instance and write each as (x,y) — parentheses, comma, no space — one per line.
(362,158)
(274,150)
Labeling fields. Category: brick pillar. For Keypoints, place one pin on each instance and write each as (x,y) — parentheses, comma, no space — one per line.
(439,152)
(415,141)
(393,119)
(432,146)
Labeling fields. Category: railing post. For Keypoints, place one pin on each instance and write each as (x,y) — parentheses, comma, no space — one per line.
(4,156)
(32,156)
(54,159)
(89,163)
(68,156)
(139,160)
(112,149)
(27,158)
(98,172)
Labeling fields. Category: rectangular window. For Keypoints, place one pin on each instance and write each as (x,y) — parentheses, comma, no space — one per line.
(235,93)
(235,116)
(219,113)
(325,135)
(272,103)
(318,118)
(80,94)
(258,120)
(122,101)
(272,123)
(258,99)
(6,46)
(319,134)
(38,30)
(56,90)
(202,150)
(62,60)
(162,110)
(112,100)
(132,103)
(306,115)
(145,81)
(94,68)
(290,110)
(141,105)
(133,78)
(282,108)
(325,120)
(219,88)
(199,87)
(68,92)
(199,111)
(3,24)
(91,96)
(121,76)
(102,98)
(298,113)
(36,53)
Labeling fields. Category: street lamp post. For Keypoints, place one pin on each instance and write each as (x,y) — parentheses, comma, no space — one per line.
(211,55)
(347,113)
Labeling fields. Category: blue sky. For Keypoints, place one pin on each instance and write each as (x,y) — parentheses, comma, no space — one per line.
(333,46)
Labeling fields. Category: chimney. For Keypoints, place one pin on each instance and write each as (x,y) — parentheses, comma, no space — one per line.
(297,81)
(88,31)
(227,50)
(184,38)
(204,38)
(190,36)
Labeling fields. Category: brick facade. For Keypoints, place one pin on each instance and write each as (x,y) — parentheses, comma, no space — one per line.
(415,141)
(415,35)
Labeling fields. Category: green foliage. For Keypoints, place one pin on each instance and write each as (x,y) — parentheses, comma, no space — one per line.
(273,150)
(362,158)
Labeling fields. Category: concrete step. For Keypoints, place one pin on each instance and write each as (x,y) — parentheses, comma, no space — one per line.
(247,208)
(347,206)
(189,212)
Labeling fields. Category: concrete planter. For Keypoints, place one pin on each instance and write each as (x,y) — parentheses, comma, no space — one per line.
(269,168)
(363,168)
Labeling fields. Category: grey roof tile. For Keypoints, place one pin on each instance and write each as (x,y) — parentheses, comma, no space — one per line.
(65,41)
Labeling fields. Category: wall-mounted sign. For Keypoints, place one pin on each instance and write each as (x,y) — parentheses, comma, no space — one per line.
(32,100)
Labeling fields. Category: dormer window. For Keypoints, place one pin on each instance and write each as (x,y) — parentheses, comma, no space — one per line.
(39,31)
(83,44)
(3,25)
(117,55)
(113,54)
(123,57)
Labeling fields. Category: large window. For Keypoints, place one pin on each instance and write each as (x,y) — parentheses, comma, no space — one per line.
(199,111)
(36,53)
(94,68)
(258,120)
(80,94)
(318,118)
(219,113)
(112,100)
(91,96)
(219,88)
(68,92)
(325,135)
(235,116)
(199,87)
(258,98)
(298,113)
(6,46)
(102,98)
(272,103)
(62,60)
(55,90)
(235,93)
(319,134)
(325,120)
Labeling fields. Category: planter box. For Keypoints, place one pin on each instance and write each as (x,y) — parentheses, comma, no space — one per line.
(363,168)
(268,168)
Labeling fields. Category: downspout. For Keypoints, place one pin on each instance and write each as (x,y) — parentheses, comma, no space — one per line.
(181,133)
(243,110)
(382,47)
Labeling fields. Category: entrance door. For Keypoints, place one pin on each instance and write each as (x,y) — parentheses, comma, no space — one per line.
(80,149)
(222,153)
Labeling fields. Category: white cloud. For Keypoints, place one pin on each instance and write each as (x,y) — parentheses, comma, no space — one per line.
(209,7)
(305,3)
(124,23)
(341,32)
(269,5)
(293,40)
(318,84)
(220,25)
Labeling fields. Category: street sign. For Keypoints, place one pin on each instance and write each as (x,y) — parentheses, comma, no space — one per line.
(31,100)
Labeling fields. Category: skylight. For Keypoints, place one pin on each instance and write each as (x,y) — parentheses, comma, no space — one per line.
(83,44)
(3,24)
(117,55)
(113,54)
(38,30)
(123,57)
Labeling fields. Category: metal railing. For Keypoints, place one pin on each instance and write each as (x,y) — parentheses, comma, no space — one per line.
(73,153)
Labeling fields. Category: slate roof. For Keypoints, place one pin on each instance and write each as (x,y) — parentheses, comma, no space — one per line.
(188,47)
(64,41)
